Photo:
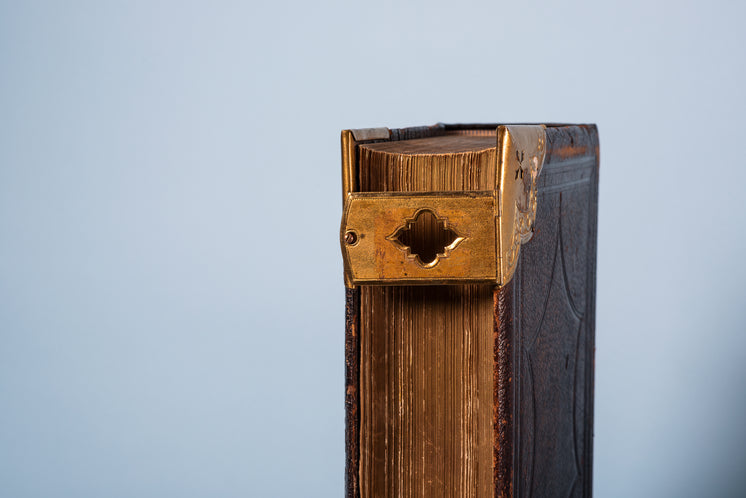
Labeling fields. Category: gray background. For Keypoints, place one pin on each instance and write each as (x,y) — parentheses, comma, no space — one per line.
(171,298)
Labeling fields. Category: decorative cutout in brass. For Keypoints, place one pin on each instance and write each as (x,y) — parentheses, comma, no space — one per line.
(425,238)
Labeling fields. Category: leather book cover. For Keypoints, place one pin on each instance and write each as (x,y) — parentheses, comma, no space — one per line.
(469,255)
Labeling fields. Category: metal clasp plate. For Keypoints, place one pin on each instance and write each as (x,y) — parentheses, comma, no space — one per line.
(375,249)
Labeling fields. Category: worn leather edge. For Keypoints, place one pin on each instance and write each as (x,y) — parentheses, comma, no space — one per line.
(591,313)
(352,393)
(568,141)
(503,391)
(574,135)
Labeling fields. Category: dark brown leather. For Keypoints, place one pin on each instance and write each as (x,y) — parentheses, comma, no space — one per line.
(549,313)
(544,332)
(352,394)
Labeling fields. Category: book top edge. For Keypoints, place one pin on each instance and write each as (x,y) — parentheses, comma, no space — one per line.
(444,144)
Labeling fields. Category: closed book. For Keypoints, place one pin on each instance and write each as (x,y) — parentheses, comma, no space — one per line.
(469,264)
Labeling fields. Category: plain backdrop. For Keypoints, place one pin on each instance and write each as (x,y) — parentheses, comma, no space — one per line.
(171,295)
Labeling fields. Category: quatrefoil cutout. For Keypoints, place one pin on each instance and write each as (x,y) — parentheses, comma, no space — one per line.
(426,238)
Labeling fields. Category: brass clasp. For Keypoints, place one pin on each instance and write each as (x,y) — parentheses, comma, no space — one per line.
(395,238)
(376,250)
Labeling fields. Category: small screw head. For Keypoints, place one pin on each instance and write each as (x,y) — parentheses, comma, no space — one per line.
(350,238)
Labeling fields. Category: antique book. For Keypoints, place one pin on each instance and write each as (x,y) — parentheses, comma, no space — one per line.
(469,264)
